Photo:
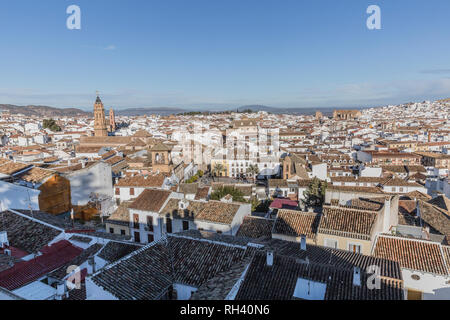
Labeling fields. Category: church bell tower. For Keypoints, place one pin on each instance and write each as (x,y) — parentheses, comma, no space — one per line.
(100,128)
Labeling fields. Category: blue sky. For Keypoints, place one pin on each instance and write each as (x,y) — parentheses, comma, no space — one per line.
(215,54)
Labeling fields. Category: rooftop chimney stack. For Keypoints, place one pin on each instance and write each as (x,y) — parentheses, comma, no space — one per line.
(269,258)
(4,239)
(91,265)
(357,276)
(60,291)
(303,243)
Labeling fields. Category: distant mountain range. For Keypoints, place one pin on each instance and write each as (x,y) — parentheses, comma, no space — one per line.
(133,112)
(48,112)
(44,111)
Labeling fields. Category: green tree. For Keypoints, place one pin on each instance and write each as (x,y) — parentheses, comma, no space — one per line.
(192,179)
(218,169)
(51,124)
(315,194)
(253,170)
(237,195)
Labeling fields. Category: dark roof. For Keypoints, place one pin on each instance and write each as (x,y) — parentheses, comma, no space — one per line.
(278,282)
(147,273)
(255,227)
(26,234)
(440,201)
(64,222)
(114,251)
(336,258)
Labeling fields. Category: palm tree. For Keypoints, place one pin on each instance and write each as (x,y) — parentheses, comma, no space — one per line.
(253,170)
(218,169)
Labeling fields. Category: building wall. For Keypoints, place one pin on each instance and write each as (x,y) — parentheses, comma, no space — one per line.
(117,229)
(95,179)
(433,287)
(293,239)
(55,197)
(343,242)
(344,196)
(94,292)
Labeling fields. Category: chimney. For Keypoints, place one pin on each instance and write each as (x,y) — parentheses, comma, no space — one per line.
(269,258)
(303,243)
(4,239)
(91,265)
(357,276)
(183,204)
(60,290)
(83,164)
(69,162)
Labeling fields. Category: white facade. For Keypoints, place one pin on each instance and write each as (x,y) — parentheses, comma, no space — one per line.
(96,179)
(17,197)
(432,286)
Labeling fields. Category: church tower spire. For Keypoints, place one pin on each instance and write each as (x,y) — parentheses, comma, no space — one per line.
(100,128)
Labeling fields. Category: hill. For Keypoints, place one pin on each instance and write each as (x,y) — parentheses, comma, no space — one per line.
(44,111)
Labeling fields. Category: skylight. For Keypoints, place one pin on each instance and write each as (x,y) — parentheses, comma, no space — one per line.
(309,290)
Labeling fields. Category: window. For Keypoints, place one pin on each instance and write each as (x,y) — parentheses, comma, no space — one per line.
(131,191)
(137,237)
(355,248)
(414,295)
(168,225)
(117,191)
(150,238)
(122,232)
(111,230)
(150,223)
(136,221)
(185,225)
(330,243)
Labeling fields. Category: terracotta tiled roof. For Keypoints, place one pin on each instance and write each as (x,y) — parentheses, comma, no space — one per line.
(202,193)
(347,222)
(150,200)
(121,216)
(27,271)
(412,254)
(416,195)
(11,168)
(218,212)
(355,189)
(296,223)
(36,175)
(149,181)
